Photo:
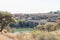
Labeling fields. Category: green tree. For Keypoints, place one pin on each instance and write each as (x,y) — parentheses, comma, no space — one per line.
(5,19)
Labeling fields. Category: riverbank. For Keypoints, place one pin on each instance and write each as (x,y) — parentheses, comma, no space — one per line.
(34,35)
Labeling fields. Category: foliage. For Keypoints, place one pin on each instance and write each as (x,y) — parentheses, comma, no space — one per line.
(12,25)
(34,35)
(58,21)
(9,29)
(40,27)
(26,24)
(50,26)
(5,19)
(47,27)
(58,24)
(43,35)
(13,30)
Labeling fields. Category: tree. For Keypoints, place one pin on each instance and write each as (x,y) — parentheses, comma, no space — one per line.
(5,19)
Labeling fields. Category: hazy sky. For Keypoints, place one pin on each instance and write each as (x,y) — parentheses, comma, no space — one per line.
(29,6)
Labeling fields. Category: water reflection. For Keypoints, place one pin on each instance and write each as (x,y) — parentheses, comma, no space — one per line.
(17,32)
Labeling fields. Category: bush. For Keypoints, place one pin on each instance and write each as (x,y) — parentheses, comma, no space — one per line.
(58,21)
(41,35)
(51,26)
(10,29)
(40,27)
(47,27)
(13,30)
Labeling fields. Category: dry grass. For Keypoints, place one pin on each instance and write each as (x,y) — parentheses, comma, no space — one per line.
(5,33)
(34,35)
(40,35)
(24,36)
(47,27)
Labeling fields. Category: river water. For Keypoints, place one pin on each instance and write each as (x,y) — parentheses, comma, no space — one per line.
(18,32)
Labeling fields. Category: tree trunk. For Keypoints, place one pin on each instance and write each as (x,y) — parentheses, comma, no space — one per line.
(2,28)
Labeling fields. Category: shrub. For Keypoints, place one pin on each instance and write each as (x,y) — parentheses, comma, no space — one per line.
(10,29)
(13,30)
(47,27)
(40,27)
(50,26)
(41,35)
(58,21)
(25,36)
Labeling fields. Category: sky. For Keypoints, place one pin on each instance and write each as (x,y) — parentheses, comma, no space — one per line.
(29,6)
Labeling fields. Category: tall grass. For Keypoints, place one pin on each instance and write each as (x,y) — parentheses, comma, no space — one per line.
(39,35)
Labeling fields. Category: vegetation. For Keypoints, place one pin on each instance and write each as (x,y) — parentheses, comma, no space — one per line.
(47,27)
(23,24)
(5,19)
(44,35)
(47,31)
